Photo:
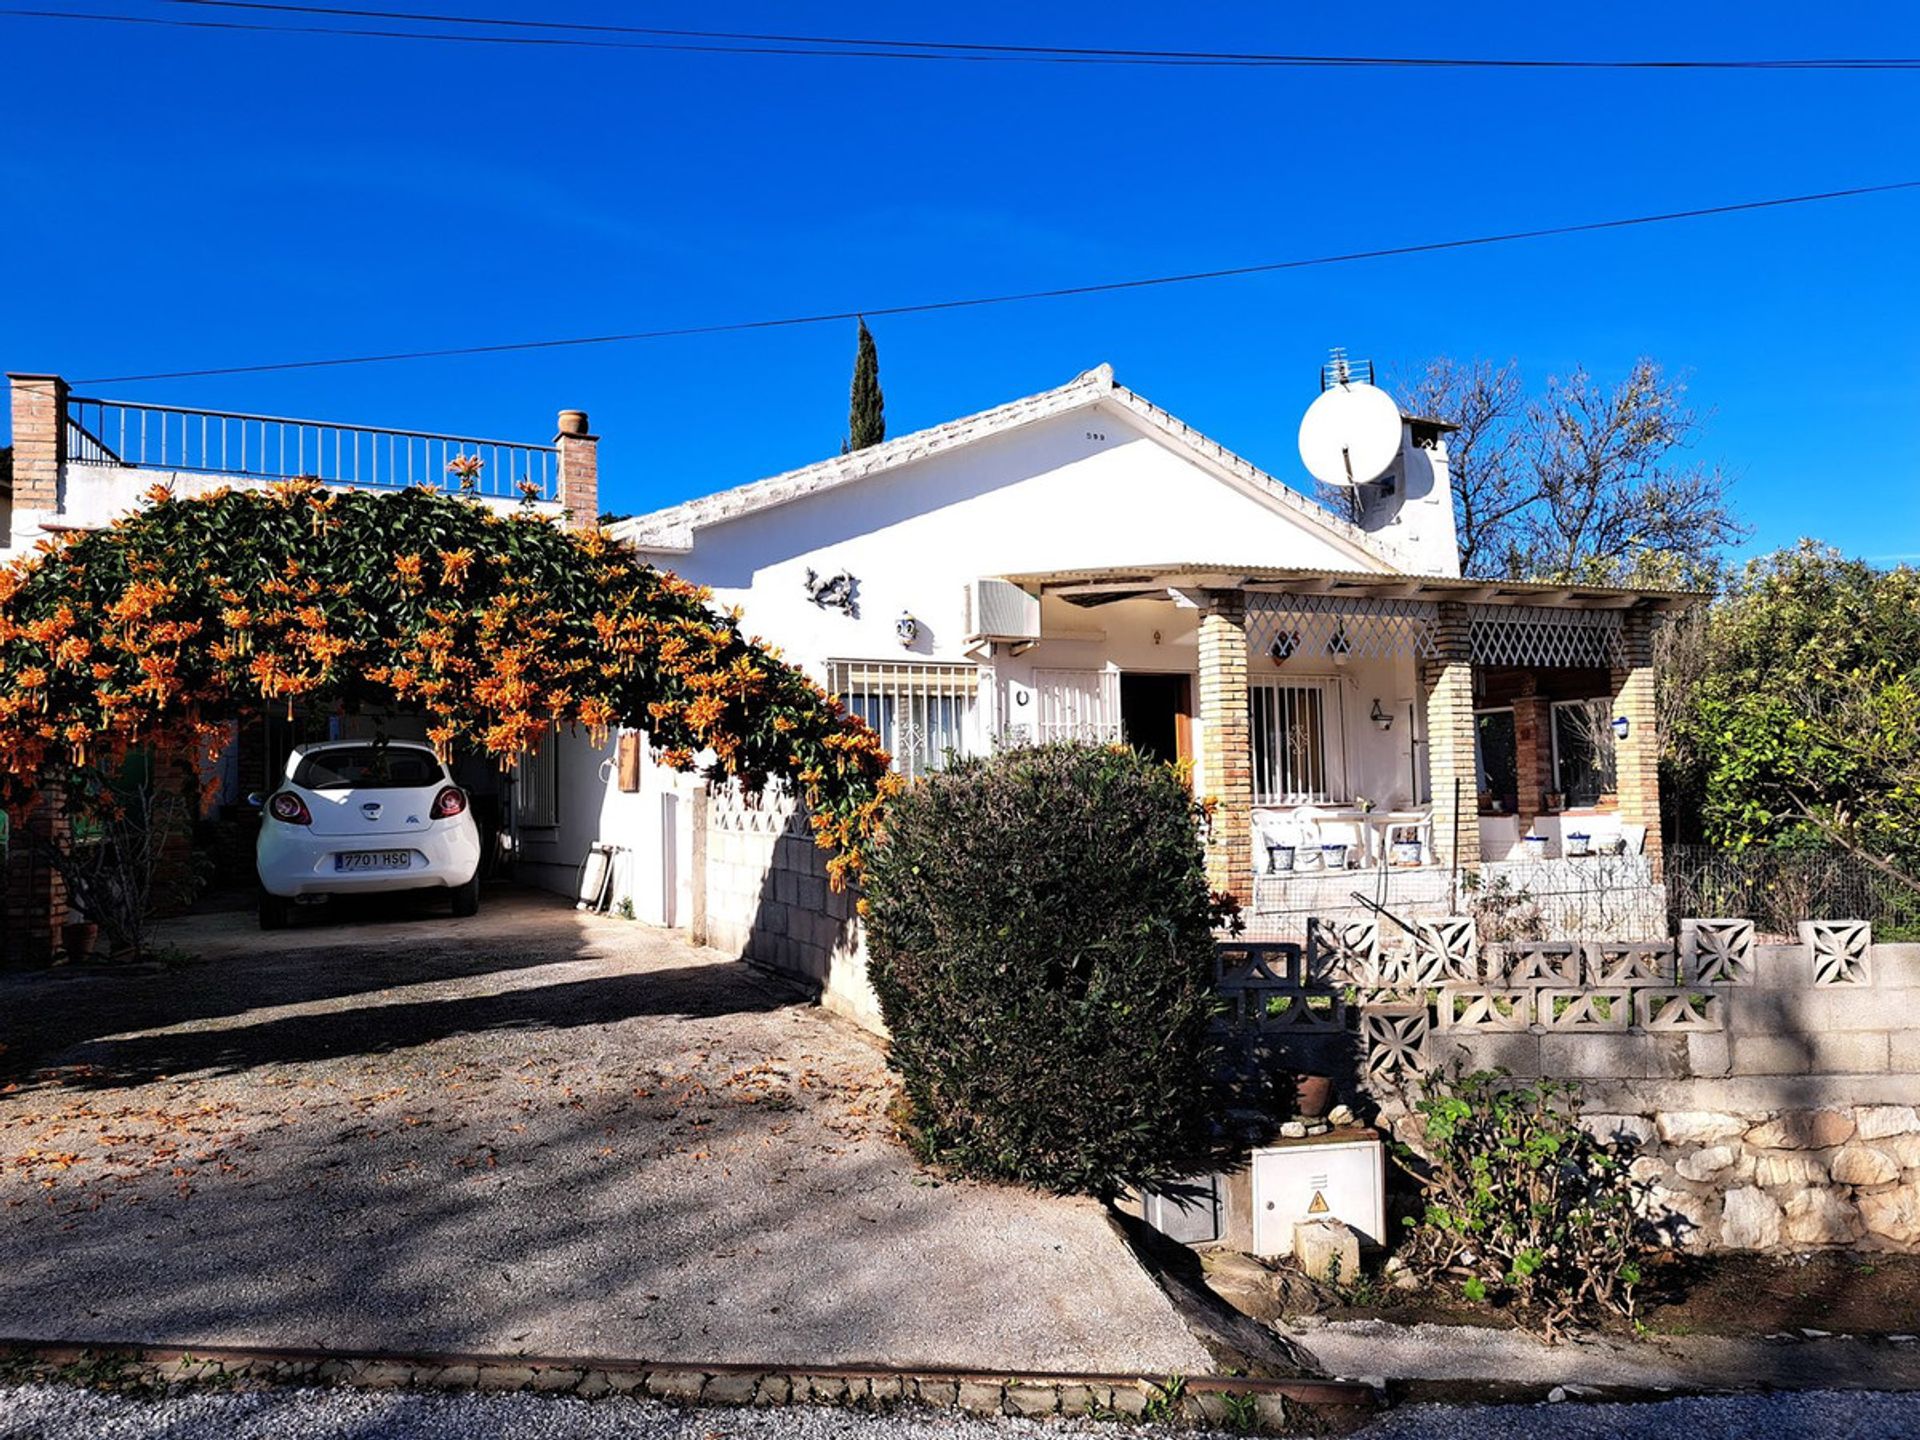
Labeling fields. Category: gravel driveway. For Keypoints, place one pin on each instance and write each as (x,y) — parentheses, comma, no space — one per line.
(52,1413)
(531,1132)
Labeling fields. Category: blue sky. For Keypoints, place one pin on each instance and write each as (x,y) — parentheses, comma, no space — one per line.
(172,199)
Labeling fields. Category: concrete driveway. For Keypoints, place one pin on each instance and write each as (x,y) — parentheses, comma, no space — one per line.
(532,1131)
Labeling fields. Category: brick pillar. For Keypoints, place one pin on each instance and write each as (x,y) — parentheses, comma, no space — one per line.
(39,441)
(579,470)
(1637,757)
(36,895)
(1532,756)
(1226,748)
(1448,681)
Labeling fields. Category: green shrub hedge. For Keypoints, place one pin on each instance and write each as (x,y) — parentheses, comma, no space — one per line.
(1039,934)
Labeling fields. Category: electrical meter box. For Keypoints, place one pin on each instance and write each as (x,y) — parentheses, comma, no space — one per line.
(1337,1176)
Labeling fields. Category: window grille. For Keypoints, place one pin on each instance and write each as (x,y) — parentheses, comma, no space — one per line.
(536,795)
(922,713)
(1584,764)
(1290,751)
(1076,705)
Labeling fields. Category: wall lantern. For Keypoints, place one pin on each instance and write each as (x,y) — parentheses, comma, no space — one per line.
(907,628)
(1620,727)
(1381,718)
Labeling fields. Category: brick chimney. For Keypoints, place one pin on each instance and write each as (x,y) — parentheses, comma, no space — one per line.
(579,470)
(39,443)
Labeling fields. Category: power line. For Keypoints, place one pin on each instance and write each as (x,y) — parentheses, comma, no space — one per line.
(575,35)
(1022,296)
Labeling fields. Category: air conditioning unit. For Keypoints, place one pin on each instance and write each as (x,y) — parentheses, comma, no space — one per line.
(1001,610)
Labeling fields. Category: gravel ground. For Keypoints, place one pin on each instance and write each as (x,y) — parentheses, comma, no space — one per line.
(534,1132)
(59,1413)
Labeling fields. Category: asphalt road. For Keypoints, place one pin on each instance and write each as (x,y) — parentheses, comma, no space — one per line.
(60,1413)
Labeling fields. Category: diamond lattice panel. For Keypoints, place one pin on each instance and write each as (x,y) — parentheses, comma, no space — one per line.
(1544,636)
(1313,626)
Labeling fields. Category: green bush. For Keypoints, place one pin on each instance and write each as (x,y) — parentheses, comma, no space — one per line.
(1537,1214)
(1040,937)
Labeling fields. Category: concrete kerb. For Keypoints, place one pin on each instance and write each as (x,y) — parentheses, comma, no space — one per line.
(1269,1404)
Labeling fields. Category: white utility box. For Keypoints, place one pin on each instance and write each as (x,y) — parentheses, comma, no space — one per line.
(1341,1175)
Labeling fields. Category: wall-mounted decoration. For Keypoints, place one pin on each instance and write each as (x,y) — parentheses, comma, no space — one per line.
(907,628)
(834,592)
(1284,644)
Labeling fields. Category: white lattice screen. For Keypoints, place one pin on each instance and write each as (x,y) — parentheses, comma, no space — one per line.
(1544,636)
(1315,626)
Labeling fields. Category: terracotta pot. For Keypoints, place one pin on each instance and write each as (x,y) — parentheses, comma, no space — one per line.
(1312,1095)
(77,938)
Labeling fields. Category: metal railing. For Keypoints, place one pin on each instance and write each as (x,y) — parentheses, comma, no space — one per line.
(272,447)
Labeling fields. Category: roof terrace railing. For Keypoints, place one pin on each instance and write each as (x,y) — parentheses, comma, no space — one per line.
(272,447)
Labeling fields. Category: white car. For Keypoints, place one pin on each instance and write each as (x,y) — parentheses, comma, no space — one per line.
(361,817)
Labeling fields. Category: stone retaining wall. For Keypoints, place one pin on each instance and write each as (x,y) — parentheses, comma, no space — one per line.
(1772,1092)
(761,894)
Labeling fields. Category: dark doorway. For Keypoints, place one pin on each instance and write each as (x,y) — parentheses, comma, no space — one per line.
(1156,714)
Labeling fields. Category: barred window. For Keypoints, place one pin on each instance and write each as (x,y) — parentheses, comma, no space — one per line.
(537,785)
(922,713)
(1291,757)
(1077,704)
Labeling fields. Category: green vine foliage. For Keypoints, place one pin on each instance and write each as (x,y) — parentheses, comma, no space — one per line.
(1539,1216)
(501,627)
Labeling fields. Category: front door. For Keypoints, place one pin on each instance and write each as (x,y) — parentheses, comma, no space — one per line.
(1156,714)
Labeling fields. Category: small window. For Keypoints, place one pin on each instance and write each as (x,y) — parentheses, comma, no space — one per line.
(923,714)
(369,767)
(537,786)
(1583,754)
(1290,752)
(1498,757)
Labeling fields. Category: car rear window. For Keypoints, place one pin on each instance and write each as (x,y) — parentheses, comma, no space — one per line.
(368,767)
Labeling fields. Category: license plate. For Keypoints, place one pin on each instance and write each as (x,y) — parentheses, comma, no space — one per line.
(374,860)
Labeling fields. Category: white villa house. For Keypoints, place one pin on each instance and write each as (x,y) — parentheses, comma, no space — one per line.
(1080,563)
(1368,726)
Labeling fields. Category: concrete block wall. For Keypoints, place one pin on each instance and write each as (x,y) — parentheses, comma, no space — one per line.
(766,899)
(1770,1094)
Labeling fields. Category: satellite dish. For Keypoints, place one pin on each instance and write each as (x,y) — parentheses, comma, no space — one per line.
(1350,435)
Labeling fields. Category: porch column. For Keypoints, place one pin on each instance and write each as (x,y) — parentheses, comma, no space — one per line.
(1637,756)
(1532,754)
(1452,773)
(1226,745)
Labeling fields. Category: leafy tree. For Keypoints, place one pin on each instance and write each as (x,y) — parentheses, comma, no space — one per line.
(1793,708)
(1582,482)
(866,407)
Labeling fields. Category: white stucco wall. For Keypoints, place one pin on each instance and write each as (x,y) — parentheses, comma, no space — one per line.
(94,496)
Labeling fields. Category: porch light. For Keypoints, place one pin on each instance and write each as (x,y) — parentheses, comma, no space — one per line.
(1380,717)
(1620,727)
(907,628)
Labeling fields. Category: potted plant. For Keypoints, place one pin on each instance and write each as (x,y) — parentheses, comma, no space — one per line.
(1556,801)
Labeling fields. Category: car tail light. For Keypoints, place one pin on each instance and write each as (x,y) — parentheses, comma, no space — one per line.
(290,808)
(449,802)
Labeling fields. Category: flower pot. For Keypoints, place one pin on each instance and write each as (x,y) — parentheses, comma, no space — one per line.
(77,938)
(1579,843)
(1333,857)
(1534,847)
(1279,859)
(1312,1094)
(1406,852)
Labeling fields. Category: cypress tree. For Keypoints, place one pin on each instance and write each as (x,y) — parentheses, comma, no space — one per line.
(867,407)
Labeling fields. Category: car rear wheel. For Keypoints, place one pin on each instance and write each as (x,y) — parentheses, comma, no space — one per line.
(466,898)
(276,912)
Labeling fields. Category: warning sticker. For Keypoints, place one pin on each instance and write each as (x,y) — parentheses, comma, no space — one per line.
(1318,1205)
